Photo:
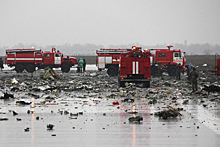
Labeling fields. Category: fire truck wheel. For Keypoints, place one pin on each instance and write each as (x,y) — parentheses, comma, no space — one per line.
(65,68)
(19,68)
(112,71)
(154,70)
(172,70)
(146,84)
(30,68)
(121,84)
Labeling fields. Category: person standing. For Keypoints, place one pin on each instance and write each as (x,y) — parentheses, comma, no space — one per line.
(84,65)
(188,69)
(81,64)
(178,71)
(1,64)
(160,70)
(193,76)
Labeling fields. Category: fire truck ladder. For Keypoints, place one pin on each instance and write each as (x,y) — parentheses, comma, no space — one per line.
(111,51)
(22,50)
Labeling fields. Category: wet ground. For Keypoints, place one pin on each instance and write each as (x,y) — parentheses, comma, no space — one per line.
(81,109)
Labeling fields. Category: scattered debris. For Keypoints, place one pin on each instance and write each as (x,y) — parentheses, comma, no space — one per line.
(27,129)
(2,119)
(50,126)
(23,102)
(170,112)
(135,119)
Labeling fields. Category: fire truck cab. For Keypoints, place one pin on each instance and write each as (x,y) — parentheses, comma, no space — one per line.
(109,58)
(135,67)
(217,64)
(170,59)
(29,59)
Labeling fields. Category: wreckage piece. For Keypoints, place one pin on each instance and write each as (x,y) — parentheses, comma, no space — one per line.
(14,113)
(50,126)
(186,102)
(129,100)
(23,102)
(211,88)
(49,73)
(115,103)
(27,129)
(2,119)
(133,112)
(170,112)
(15,89)
(135,119)
(7,96)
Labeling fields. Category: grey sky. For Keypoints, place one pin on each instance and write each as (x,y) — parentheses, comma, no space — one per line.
(106,22)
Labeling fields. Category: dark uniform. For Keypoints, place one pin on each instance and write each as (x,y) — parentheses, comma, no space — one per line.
(160,70)
(193,76)
(1,64)
(178,72)
(84,65)
(188,73)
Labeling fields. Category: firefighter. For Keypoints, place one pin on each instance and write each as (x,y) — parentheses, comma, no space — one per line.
(160,70)
(188,73)
(81,64)
(84,65)
(193,76)
(1,64)
(178,71)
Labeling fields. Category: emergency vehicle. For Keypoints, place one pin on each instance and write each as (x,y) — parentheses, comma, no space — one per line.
(170,59)
(109,58)
(135,67)
(29,59)
(217,64)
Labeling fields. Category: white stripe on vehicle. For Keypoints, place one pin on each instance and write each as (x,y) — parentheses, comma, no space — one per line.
(137,67)
(133,68)
(24,58)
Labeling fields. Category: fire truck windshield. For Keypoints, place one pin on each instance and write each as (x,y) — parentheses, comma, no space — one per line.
(57,55)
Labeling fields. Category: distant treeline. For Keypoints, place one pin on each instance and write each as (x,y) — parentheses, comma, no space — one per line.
(90,49)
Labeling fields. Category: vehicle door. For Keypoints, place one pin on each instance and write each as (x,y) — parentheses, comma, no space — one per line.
(57,58)
(177,58)
(48,59)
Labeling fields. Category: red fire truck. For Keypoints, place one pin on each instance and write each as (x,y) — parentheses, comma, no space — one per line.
(135,67)
(109,58)
(29,59)
(217,64)
(169,58)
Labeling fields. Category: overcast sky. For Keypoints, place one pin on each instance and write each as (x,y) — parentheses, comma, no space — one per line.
(109,22)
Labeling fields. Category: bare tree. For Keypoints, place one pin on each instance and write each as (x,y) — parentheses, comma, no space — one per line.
(207,52)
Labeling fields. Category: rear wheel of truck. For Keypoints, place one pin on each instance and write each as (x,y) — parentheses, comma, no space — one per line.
(121,84)
(30,68)
(146,84)
(154,71)
(65,68)
(112,71)
(172,70)
(19,68)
